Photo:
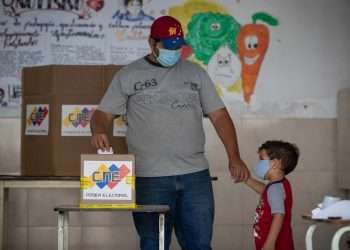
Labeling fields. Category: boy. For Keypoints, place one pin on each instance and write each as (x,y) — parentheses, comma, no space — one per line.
(272,226)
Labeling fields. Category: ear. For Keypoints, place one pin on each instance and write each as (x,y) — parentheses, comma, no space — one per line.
(151,41)
(276,164)
(152,44)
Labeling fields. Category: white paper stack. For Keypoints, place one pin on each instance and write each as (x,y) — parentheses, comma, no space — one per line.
(339,209)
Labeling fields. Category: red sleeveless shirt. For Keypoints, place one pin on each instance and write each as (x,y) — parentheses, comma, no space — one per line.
(263,219)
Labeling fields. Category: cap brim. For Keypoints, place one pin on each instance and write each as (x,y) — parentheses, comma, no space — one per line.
(173,42)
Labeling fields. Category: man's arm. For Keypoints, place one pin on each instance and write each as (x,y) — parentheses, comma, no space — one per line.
(100,122)
(277,222)
(225,128)
(256,185)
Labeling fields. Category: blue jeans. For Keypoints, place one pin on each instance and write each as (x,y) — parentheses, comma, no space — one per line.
(191,202)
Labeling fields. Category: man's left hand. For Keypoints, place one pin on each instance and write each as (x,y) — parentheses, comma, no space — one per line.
(239,171)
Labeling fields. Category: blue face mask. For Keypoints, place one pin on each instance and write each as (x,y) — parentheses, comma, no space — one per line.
(262,168)
(168,58)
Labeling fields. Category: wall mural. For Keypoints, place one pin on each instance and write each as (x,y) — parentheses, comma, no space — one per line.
(238,43)
(252,42)
(232,53)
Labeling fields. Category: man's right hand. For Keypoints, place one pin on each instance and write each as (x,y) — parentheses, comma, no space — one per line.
(100,121)
(100,140)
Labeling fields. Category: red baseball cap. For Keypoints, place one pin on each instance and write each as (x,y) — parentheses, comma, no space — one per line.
(169,31)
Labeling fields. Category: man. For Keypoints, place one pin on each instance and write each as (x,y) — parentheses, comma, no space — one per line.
(165,99)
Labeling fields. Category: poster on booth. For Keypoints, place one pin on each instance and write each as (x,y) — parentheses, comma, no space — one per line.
(76,120)
(107,181)
(37,119)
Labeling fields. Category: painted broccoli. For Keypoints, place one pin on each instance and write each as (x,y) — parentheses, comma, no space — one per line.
(208,31)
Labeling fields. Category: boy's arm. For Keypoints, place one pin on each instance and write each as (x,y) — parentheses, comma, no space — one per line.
(256,185)
(276,197)
(276,225)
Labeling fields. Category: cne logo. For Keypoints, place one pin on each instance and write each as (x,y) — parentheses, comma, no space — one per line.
(78,118)
(109,177)
(37,116)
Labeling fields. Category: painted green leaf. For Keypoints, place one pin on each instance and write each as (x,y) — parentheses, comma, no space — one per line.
(208,31)
(266,18)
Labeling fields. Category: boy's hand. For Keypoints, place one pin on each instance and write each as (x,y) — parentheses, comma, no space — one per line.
(268,246)
(239,171)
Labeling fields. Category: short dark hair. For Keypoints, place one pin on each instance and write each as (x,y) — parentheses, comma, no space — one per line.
(126,2)
(287,152)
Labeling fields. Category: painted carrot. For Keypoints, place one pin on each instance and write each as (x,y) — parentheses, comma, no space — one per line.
(252,43)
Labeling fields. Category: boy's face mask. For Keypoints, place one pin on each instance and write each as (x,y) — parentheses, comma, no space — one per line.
(262,168)
(168,58)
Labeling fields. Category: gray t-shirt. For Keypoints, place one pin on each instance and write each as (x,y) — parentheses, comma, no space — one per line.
(276,196)
(164,108)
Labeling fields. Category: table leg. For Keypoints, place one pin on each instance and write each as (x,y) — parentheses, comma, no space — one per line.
(336,238)
(308,238)
(63,221)
(161,231)
(2,209)
(5,218)
(3,215)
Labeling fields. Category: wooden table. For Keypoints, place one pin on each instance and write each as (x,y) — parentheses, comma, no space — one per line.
(344,226)
(63,219)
